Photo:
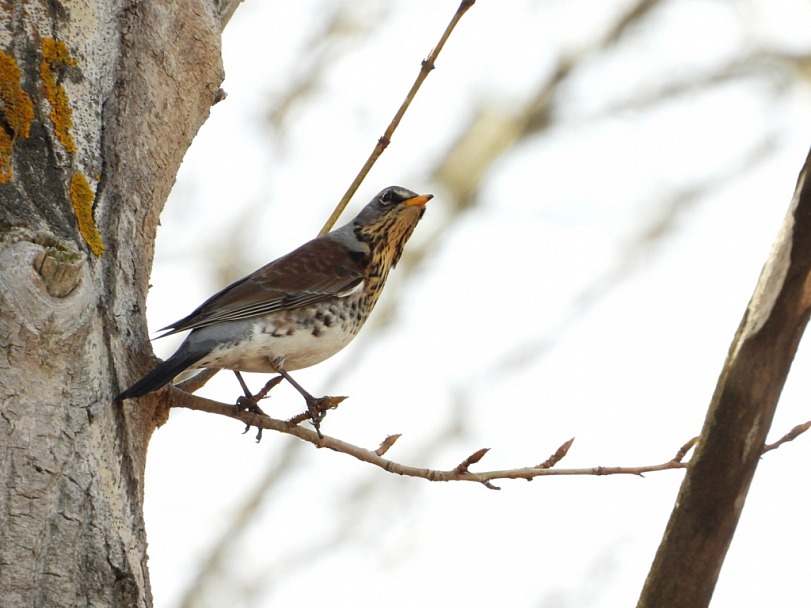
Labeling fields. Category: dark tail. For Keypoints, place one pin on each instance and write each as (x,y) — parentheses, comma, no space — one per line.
(161,375)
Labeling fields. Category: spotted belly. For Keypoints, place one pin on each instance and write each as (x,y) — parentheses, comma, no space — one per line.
(291,341)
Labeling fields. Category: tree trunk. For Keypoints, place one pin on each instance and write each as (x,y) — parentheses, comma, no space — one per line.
(99,100)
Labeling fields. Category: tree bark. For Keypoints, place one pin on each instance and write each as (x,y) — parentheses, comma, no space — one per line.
(100,100)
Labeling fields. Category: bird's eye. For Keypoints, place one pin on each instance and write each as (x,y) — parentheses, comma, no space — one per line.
(387,197)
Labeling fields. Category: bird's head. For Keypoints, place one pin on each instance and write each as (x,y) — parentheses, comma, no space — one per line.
(386,223)
(375,238)
(390,216)
(392,204)
(383,226)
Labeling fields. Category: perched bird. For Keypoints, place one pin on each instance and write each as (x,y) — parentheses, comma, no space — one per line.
(301,308)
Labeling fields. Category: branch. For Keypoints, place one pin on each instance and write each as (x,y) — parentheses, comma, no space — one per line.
(225,9)
(712,495)
(460,472)
(197,381)
(790,436)
(428,64)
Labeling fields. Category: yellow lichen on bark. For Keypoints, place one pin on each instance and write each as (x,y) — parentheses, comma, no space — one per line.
(16,109)
(5,157)
(55,57)
(82,197)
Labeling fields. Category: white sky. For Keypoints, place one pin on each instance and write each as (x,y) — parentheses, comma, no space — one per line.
(630,377)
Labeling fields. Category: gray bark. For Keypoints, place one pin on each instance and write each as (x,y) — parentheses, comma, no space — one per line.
(139,79)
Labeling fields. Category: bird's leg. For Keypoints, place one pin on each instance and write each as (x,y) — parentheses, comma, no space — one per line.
(251,402)
(314,406)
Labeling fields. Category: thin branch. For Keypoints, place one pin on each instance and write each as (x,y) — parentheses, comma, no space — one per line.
(790,436)
(386,444)
(459,473)
(197,381)
(684,449)
(225,9)
(428,64)
(559,454)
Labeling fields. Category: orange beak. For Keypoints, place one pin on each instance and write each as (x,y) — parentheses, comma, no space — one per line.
(418,200)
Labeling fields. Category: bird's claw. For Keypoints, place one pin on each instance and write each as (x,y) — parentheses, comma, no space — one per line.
(317,408)
(244,404)
(316,414)
(250,403)
(259,430)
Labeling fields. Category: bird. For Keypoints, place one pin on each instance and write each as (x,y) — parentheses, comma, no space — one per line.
(300,309)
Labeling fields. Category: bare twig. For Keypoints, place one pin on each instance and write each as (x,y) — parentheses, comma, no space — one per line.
(464,466)
(684,449)
(559,454)
(428,64)
(387,443)
(459,473)
(790,436)
(197,381)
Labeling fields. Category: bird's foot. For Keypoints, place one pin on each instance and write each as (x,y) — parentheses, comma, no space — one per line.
(317,409)
(250,403)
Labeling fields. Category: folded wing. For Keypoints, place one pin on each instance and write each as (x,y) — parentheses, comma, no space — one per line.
(320,269)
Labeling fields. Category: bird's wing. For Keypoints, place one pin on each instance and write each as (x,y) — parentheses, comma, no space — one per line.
(320,269)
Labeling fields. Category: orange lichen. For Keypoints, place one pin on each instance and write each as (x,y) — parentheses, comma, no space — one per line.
(16,109)
(55,57)
(83,197)
(5,157)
